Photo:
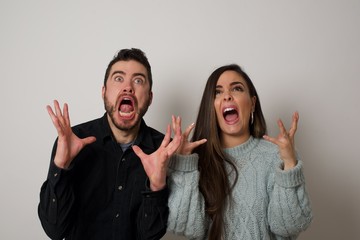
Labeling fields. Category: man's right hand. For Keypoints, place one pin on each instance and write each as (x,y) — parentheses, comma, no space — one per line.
(68,145)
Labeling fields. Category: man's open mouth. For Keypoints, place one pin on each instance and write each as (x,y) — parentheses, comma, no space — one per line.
(126,107)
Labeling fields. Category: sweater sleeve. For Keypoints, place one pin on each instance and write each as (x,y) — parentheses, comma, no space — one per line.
(186,203)
(289,211)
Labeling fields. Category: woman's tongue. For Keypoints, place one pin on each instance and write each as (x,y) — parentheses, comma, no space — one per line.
(231,116)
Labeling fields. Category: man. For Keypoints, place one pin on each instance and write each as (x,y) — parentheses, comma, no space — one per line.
(101,185)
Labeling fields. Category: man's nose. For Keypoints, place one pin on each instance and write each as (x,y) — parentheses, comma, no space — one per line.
(128,88)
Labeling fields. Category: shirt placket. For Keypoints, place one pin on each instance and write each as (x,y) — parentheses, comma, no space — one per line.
(120,192)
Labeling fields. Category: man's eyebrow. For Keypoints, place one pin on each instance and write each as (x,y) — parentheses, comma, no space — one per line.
(139,74)
(118,72)
(123,73)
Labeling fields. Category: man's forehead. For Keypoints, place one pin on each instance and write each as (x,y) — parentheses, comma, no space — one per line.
(129,67)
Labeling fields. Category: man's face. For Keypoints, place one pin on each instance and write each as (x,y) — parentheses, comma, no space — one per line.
(127,94)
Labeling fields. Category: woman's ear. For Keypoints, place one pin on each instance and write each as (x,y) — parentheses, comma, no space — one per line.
(253,100)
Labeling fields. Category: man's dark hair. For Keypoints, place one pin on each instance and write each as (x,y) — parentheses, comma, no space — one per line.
(127,55)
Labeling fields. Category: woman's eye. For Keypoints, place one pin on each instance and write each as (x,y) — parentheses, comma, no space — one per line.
(238,89)
(217,92)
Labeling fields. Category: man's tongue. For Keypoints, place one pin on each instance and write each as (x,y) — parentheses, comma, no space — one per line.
(126,108)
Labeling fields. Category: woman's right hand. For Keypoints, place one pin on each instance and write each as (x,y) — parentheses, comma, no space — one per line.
(186,147)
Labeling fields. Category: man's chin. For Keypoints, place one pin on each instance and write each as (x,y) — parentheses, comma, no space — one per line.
(126,124)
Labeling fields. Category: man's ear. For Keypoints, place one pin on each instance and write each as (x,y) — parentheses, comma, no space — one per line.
(103,92)
(151,97)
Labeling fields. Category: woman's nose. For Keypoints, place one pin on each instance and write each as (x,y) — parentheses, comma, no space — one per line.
(227,96)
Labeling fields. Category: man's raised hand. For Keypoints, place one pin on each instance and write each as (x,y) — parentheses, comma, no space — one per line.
(68,144)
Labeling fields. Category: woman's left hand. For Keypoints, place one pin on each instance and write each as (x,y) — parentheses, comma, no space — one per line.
(186,146)
(285,142)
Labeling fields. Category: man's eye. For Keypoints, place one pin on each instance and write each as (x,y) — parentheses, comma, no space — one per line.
(138,80)
(118,79)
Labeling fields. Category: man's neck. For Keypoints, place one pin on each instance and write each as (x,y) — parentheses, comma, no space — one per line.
(124,136)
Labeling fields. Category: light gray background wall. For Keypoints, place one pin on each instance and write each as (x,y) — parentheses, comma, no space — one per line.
(302,55)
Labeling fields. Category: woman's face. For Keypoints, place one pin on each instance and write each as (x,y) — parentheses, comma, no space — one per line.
(233,106)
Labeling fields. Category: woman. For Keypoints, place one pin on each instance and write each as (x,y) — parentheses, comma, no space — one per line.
(232,181)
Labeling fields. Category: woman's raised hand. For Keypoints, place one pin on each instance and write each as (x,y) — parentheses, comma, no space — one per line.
(186,147)
(285,142)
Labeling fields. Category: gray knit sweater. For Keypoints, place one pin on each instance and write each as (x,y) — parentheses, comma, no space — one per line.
(267,202)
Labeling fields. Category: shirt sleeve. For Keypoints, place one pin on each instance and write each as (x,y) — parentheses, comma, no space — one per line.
(153,214)
(289,211)
(187,207)
(56,201)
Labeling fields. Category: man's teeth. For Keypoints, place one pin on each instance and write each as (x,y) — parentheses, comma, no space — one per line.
(124,114)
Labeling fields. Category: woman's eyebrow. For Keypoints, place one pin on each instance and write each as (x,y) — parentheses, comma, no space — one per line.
(236,83)
(231,84)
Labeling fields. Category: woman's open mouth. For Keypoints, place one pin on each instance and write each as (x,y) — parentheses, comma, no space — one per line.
(230,115)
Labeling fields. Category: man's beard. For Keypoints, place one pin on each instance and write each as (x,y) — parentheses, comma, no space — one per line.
(111,110)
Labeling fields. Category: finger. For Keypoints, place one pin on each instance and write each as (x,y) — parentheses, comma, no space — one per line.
(173,145)
(294,123)
(282,128)
(167,137)
(88,140)
(173,121)
(138,152)
(270,139)
(188,130)
(55,120)
(66,114)
(177,130)
(57,108)
(198,143)
(50,112)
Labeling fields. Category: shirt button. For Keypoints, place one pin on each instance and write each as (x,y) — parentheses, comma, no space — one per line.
(123,160)
(120,188)
(117,215)
(55,175)
(53,200)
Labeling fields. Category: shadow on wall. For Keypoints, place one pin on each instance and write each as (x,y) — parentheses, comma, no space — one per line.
(333,199)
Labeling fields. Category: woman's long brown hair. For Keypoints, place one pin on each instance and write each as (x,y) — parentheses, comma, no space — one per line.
(214,182)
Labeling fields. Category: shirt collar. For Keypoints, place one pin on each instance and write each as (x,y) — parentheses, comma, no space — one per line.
(144,137)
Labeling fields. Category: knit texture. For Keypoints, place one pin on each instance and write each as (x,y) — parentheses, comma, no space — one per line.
(266,203)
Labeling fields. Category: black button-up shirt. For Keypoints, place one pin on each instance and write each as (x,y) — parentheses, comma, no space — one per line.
(105,192)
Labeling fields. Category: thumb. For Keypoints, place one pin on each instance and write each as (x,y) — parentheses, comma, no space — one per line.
(88,140)
(138,151)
